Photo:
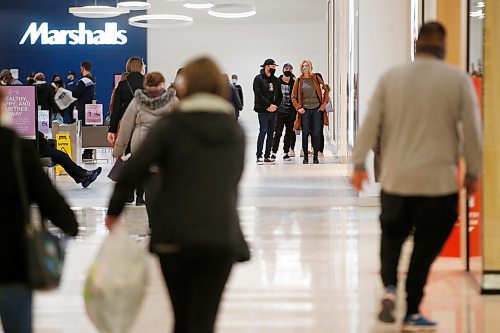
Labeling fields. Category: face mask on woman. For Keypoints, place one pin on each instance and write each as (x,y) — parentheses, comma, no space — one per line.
(305,70)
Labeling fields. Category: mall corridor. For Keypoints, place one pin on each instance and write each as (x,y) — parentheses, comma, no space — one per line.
(314,267)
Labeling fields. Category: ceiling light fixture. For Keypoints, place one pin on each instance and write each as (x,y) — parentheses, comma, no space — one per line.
(198,5)
(232,11)
(160,21)
(97,11)
(134,5)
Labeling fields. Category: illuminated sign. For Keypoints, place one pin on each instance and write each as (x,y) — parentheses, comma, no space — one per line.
(109,36)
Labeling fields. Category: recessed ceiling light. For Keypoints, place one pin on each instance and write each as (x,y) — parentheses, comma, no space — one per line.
(160,21)
(134,5)
(232,11)
(97,11)
(196,5)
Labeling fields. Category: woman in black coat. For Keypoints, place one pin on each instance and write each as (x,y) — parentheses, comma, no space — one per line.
(15,296)
(199,151)
(123,95)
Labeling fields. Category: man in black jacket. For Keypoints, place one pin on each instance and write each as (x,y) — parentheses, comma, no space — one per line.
(268,96)
(234,80)
(45,95)
(84,94)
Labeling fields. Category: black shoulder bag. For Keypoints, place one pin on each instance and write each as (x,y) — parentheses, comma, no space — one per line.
(44,251)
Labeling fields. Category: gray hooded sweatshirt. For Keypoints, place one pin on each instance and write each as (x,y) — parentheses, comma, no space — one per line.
(141,115)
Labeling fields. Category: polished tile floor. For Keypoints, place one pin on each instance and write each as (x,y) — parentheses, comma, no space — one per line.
(314,267)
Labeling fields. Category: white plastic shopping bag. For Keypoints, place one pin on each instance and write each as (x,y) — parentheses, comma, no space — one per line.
(64,98)
(116,283)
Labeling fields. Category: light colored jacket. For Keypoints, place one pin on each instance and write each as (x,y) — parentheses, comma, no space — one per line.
(426,115)
(141,115)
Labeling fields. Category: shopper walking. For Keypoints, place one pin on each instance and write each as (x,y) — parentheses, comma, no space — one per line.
(310,97)
(15,296)
(268,96)
(124,93)
(232,96)
(286,114)
(196,233)
(420,111)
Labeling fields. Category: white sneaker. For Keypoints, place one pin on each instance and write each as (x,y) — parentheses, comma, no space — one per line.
(311,151)
(260,161)
(291,153)
(321,155)
(273,157)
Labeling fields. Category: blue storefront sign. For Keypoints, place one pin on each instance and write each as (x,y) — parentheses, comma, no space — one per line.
(41,36)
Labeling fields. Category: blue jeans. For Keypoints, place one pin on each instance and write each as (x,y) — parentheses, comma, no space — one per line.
(312,124)
(15,308)
(267,123)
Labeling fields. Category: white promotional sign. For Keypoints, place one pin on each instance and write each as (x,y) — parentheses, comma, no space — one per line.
(44,122)
(93,114)
(109,36)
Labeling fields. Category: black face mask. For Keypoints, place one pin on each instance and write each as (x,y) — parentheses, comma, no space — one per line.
(272,71)
(435,51)
(287,73)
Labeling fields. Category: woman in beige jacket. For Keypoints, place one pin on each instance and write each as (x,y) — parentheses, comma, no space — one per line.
(145,109)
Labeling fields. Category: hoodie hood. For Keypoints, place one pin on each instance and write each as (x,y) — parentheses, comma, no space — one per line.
(157,105)
(209,119)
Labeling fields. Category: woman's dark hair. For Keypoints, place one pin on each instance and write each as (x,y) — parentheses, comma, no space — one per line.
(202,75)
(153,79)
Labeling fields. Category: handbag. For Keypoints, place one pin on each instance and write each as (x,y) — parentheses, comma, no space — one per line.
(44,251)
(114,173)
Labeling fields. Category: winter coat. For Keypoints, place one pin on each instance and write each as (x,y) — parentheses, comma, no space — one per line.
(234,98)
(322,91)
(199,151)
(141,115)
(45,97)
(267,91)
(40,191)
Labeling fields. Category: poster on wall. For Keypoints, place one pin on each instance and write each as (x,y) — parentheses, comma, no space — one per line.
(21,104)
(93,114)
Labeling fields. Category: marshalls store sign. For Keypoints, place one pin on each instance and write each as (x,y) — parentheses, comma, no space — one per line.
(41,33)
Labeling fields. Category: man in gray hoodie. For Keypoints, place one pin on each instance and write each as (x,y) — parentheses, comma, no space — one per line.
(426,116)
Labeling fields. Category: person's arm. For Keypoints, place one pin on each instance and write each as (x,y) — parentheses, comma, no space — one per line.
(472,131)
(41,191)
(153,149)
(240,93)
(127,126)
(257,88)
(279,97)
(295,96)
(368,135)
(78,91)
(117,114)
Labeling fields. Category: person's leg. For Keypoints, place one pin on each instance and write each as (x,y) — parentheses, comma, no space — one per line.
(210,275)
(288,135)
(176,272)
(16,309)
(271,125)
(306,128)
(280,123)
(396,225)
(263,124)
(434,218)
(139,193)
(322,138)
(74,170)
(317,122)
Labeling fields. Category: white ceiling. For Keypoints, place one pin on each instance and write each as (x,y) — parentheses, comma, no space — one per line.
(284,11)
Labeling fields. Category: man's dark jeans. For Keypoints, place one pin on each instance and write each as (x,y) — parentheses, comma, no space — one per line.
(15,308)
(58,157)
(267,123)
(431,219)
(283,121)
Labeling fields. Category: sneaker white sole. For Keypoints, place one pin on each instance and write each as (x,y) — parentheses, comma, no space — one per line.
(414,328)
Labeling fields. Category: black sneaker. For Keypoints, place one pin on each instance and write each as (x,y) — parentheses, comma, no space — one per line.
(386,314)
(91,178)
(286,158)
(140,201)
(315,160)
(273,157)
(260,160)
(129,200)
(305,161)
(269,160)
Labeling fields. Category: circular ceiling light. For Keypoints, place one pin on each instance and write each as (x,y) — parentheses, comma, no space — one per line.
(232,11)
(160,21)
(198,5)
(134,5)
(97,11)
